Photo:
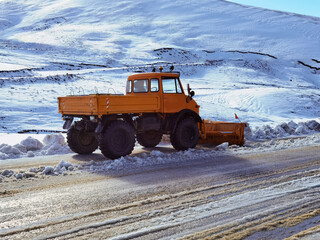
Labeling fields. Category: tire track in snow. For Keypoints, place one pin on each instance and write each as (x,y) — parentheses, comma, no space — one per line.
(195,211)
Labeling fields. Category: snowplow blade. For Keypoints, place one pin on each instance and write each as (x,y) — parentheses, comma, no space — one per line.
(214,132)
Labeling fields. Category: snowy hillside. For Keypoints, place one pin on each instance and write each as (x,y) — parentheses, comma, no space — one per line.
(261,64)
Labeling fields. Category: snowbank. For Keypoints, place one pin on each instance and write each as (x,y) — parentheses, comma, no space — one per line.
(52,144)
(282,130)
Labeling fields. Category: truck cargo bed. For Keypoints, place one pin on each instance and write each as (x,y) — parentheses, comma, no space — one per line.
(103,104)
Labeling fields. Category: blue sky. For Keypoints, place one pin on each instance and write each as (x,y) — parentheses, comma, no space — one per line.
(305,7)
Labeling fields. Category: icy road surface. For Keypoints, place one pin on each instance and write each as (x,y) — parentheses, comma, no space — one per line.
(249,196)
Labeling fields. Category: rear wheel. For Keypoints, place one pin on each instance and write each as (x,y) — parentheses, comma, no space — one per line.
(186,135)
(80,141)
(149,139)
(117,140)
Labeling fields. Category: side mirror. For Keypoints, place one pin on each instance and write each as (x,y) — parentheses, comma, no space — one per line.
(189,89)
(190,94)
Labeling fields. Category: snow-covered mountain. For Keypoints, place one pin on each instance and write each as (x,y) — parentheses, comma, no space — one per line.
(264,65)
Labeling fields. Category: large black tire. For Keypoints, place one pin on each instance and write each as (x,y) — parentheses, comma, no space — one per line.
(81,142)
(149,139)
(117,140)
(186,134)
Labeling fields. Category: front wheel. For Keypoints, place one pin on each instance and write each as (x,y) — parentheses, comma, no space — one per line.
(186,134)
(80,141)
(117,140)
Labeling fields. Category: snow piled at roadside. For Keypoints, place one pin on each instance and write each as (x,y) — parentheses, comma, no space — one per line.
(52,144)
(282,130)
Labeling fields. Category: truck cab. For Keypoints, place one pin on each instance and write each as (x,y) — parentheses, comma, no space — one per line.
(167,86)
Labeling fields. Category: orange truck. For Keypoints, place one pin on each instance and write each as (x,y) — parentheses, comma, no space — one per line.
(154,104)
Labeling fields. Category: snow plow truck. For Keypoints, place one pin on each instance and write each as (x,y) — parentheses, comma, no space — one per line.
(155,103)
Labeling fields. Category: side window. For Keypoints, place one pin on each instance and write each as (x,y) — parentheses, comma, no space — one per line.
(171,85)
(129,87)
(179,88)
(140,86)
(154,85)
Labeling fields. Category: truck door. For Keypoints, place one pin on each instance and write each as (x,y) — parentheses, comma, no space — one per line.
(174,99)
